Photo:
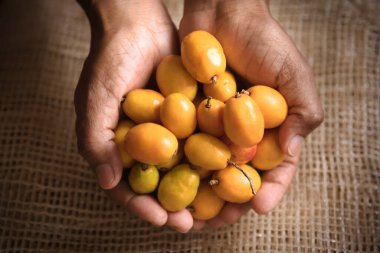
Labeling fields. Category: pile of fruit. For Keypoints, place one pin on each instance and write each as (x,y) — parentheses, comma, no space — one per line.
(198,150)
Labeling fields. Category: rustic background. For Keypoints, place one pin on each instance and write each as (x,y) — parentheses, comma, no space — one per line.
(49,199)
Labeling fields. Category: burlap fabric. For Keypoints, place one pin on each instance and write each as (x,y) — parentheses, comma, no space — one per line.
(49,199)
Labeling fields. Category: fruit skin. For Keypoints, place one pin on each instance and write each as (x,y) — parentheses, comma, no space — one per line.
(243,121)
(143,178)
(150,143)
(269,154)
(206,204)
(176,159)
(178,188)
(203,173)
(239,155)
(233,186)
(172,77)
(272,104)
(206,151)
(143,105)
(178,114)
(203,56)
(120,132)
(210,117)
(223,89)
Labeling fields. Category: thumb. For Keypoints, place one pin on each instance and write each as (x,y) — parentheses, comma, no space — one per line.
(305,110)
(97,116)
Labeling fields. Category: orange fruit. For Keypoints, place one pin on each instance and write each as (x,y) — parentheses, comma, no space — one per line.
(176,159)
(151,143)
(271,103)
(178,114)
(203,56)
(233,186)
(223,89)
(210,117)
(172,77)
(143,105)
(206,151)
(206,204)
(243,121)
(269,154)
(120,132)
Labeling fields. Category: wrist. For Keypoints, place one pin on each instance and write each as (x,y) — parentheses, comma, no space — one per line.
(110,16)
(224,5)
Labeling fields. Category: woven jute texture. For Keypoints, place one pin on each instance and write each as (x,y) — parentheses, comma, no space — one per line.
(50,201)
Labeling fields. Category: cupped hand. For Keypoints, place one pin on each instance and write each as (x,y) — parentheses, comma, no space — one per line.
(128,40)
(260,51)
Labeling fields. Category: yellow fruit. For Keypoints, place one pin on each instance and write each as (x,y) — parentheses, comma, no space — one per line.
(268,154)
(206,204)
(243,121)
(206,151)
(143,178)
(223,89)
(233,186)
(178,188)
(203,56)
(172,77)
(203,173)
(271,103)
(120,132)
(210,117)
(178,114)
(176,159)
(143,105)
(151,143)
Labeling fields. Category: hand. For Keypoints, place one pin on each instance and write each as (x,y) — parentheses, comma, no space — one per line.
(260,51)
(129,38)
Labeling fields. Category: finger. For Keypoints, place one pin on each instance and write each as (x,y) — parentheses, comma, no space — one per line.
(274,184)
(182,221)
(230,214)
(144,206)
(198,225)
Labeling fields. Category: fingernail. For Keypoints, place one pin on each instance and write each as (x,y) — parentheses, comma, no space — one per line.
(105,175)
(295,145)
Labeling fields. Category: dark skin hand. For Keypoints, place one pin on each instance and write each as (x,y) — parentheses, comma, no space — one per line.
(260,51)
(128,40)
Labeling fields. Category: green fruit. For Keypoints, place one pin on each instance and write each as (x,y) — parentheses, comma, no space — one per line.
(178,188)
(143,178)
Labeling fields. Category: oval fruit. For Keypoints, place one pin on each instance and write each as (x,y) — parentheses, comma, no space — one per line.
(271,103)
(143,105)
(150,143)
(203,173)
(206,151)
(243,121)
(178,114)
(172,77)
(120,132)
(239,155)
(176,159)
(269,153)
(143,178)
(206,204)
(233,186)
(178,188)
(210,117)
(223,89)
(203,56)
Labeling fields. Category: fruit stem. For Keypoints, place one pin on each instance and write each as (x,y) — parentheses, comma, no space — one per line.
(213,182)
(208,103)
(229,162)
(237,94)
(214,79)
(245,92)
(144,166)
